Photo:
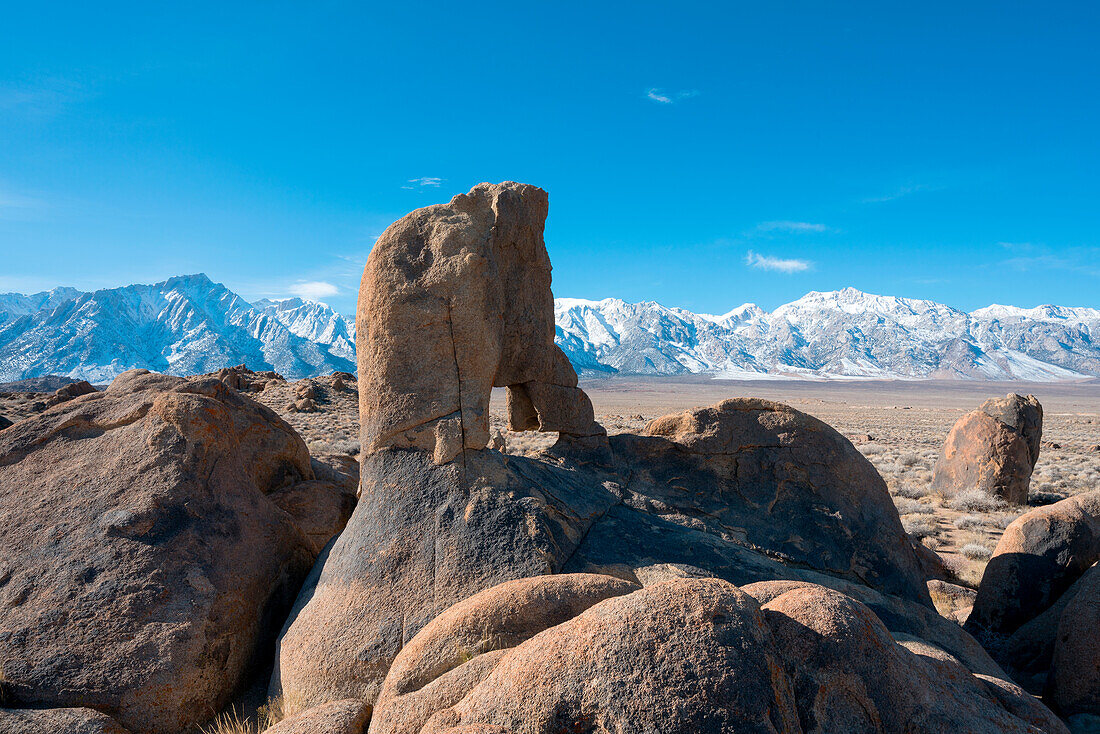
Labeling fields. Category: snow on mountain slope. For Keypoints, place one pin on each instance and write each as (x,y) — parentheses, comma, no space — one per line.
(844,333)
(189,325)
(185,325)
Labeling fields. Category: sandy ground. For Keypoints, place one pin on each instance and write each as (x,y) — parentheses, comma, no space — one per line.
(898,426)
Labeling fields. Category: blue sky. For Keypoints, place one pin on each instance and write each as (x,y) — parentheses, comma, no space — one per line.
(697,154)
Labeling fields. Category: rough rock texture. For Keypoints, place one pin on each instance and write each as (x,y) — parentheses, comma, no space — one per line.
(693,655)
(144,555)
(57,721)
(1074,682)
(849,674)
(793,500)
(68,392)
(338,717)
(455,299)
(1039,556)
(993,448)
(432,673)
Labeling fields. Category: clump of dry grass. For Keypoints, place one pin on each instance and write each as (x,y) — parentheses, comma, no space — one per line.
(969,522)
(271,713)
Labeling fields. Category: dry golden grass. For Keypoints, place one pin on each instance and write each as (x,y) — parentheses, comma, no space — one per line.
(271,713)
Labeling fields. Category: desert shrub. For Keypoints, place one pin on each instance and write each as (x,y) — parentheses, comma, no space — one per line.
(911,491)
(871,449)
(920,526)
(976,552)
(975,500)
(910,459)
(334,446)
(908,506)
(969,522)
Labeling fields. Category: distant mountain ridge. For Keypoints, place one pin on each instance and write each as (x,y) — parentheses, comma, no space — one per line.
(837,334)
(190,324)
(184,325)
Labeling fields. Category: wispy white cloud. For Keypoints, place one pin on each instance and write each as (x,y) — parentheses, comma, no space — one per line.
(782,265)
(423,181)
(788,226)
(1085,260)
(663,97)
(313,290)
(898,193)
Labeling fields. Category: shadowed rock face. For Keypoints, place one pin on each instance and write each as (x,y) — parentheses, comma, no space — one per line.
(144,552)
(993,448)
(455,300)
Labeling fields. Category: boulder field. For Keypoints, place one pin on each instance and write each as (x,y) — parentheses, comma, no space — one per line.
(168,545)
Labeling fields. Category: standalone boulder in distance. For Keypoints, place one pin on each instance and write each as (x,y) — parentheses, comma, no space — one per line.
(68,392)
(57,721)
(689,655)
(455,300)
(144,552)
(993,448)
(1039,556)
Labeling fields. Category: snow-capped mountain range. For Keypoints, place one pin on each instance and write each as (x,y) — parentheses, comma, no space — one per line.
(844,333)
(185,325)
(189,324)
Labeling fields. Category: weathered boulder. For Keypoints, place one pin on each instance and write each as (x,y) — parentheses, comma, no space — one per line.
(245,380)
(338,717)
(688,655)
(431,672)
(993,448)
(57,721)
(1039,556)
(1073,686)
(691,655)
(455,299)
(144,555)
(68,392)
(850,674)
(795,500)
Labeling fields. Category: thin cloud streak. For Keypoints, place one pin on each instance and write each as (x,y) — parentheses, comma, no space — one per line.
(898,194)
(423,181)
(658,95)
(314,290)
(781,265)
(788,226)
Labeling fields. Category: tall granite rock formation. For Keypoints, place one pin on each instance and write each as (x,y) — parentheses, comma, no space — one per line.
(455,300)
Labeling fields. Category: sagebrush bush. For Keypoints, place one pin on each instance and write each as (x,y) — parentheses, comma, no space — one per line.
(976,552)
(908,506)
(920,526)
(975,500)
(969,522)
